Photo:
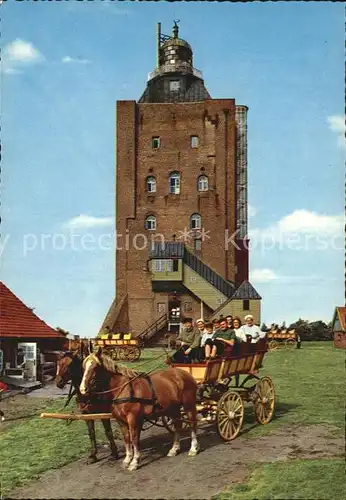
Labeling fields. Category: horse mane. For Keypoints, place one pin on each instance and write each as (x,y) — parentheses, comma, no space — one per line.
(111,366)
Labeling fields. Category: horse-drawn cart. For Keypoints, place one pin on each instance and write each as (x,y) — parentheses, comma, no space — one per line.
(224,385)
(222,393)
(122,349)
(280,339)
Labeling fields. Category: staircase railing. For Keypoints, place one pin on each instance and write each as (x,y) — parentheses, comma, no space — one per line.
(220,283)
(152,329)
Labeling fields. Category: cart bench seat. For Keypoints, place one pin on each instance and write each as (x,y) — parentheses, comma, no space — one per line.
(248,359)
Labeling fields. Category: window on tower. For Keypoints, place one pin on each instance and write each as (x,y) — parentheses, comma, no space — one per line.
(195,221)
(203,183)
(198,245)
(174,183)
(174,85)
(150,223)
(194,141)
(151,184)
(155,143)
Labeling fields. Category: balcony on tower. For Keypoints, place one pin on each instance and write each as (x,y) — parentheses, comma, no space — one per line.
(166,267)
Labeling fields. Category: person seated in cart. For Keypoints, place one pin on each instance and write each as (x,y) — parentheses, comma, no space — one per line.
(189,339)
(237,327)
(250,330)
(208,334)
(200,324)
(216,325)
(220,339)
(229,319)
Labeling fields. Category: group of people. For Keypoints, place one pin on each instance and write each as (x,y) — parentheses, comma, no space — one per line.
(207,340)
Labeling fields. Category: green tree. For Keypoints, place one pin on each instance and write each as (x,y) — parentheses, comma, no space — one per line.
(62,331)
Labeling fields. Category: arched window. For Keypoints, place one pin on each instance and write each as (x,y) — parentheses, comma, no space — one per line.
(151,184)
(203,183)
(174,183)
(150,223)
(195,221)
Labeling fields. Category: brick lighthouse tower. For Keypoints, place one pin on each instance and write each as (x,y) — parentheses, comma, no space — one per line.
(181,201)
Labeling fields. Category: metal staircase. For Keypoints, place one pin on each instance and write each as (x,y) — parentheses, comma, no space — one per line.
(148,334)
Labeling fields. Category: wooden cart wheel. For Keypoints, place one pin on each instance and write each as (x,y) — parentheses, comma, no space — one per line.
(132,353)
(113,353)
(290,343)
(121,353)
(265,400)
(273,344)
(229,415)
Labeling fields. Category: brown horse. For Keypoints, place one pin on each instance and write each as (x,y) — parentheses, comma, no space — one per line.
(135,396)
(69,368)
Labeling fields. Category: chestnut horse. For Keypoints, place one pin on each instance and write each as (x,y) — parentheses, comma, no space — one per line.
(135,396)
(69,368)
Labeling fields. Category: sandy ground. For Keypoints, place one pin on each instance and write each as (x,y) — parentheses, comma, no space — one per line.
(218,466)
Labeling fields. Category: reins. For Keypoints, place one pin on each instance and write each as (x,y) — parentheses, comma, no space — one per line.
(128,382)
(139,375)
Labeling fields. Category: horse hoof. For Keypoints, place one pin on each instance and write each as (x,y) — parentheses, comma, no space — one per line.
(193,453)
(114,456)
(133,467)
(173,453)
(91,460)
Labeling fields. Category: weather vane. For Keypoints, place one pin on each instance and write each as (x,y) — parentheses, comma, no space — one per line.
(176,28)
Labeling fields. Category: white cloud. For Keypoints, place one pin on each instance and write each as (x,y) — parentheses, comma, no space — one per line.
(304,221)
(337,124)
(11,71)
(251,211)
(301,222)
(112,8)
(88,222)
(266,275)
(18,54)
(78,60)
(262,275)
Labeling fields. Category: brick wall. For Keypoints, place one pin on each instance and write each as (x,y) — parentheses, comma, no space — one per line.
(213,122)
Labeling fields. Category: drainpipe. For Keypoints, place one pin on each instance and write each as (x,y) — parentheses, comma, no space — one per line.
(202,309)
(226,114)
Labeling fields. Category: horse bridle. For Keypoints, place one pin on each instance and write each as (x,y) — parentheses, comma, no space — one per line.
(132,398)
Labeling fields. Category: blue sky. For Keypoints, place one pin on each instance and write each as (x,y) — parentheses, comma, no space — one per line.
(65,64)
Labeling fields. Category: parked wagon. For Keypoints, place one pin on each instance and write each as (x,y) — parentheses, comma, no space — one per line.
(285,338)
(122,349)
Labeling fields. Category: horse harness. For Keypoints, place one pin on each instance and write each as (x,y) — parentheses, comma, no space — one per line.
(134,399)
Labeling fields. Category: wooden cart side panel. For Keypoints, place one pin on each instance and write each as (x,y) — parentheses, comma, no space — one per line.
(197,371)
(213,370)
(257,362)
(249,363)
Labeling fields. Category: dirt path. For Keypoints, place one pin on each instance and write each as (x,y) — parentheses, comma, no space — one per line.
(217,467)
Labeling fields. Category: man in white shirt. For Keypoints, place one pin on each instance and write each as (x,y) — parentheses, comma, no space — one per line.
(252,330)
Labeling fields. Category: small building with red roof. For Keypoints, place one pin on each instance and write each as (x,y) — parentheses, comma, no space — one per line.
(23,337)
(339,327)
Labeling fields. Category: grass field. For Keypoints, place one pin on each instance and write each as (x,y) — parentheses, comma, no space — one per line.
(309,386)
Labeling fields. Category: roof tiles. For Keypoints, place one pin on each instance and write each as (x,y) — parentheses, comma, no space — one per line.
(18,320)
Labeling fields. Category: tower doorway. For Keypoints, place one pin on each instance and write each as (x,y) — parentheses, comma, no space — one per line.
(174,313)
